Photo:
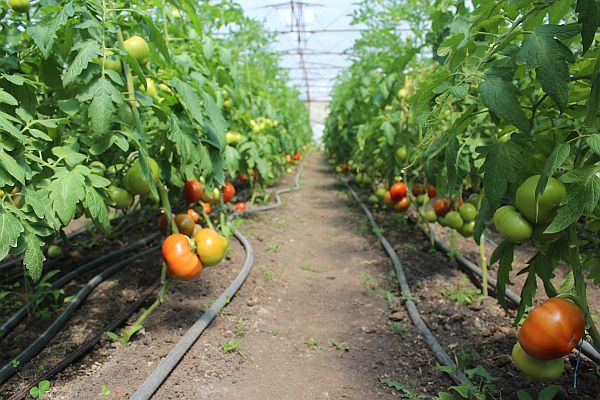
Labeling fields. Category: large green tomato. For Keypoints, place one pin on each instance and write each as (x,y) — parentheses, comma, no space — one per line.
(468,212)
(120,197)
(544,210)
(454,220)
(138,48)
(537,369)
(512,225)
(467,229)
(19,5)
(134,181)
(430,215)
(401,153)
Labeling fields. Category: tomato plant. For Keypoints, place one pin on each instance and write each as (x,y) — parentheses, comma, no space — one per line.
(181,261)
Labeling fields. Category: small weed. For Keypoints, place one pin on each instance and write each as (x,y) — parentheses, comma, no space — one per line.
(344,346)
(126,334)
(37,392)
(410,297)
(481,388)
(273,247)
(270,275)
(280,223)
(400,222)
(407,393)
(368,282)
(340,194)
(463,294)
(307,267)
(399,328)
(275,332)
(235,346)
(363,227)
(104,391)
(15,363)
(466,357)
(312,343)
(387,296)
(548,393)
(239,327)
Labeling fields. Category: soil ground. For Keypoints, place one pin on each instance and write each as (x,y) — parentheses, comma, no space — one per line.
(318,318)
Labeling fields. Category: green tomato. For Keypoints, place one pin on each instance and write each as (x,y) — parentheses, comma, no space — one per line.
(454,220)
(54,251)
(468,212)
(537,369)
(231,137)
(120,197)
(474,199)
(430,216)
(512,225)
(134,181)
(467,229)
(228,103)
(151,88)
(380,192)
(541,237)
(442,220)
(402,153)
(422,199)
(544,210)
(21,6)
(138,48)
(373,199)
(110,61)
(367,180)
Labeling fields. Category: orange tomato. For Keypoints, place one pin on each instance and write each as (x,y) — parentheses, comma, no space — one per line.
(181,261)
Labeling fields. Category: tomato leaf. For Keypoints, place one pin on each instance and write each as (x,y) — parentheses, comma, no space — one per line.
(10,230)
(96,206)
(543,51)
(594,142)
(523,395)
(555,160)
(500,97)
(184,143)
(587,11)
(89,51)
(549,392)
(10,165)
(102,109)
(7,98)
(34,257)
(66,190)
(189,99)
(500,167)
(504,253)
(44,34)
(216,135)
(155,36)
(485,213)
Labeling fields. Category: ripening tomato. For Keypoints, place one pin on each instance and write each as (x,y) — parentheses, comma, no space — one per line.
(210,246)
(288,158)
(138,48)
(544,209)
(512,225)
(228,192)
(192,213)
(243,178)
(135,182)
(193,191)
(163,224)
(121,198)
(387,199)
(398,191)
(552,329)
(418,189)
(431,192)
(241,206)
(537,369)
(206,207)
(403,204)
(185,224)
(197,229)
(181,261)
(441,207)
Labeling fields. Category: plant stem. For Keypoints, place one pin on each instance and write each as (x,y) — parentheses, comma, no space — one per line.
(484,271)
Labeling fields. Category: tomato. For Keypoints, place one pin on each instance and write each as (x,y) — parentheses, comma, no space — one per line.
(228,192)
(473,199)
(163,224)
(297,156)
(454,220)
(231,137)
(185,224)
(197,229)
(135,182)
(552,329)
(541,237)
(537,369)
(418,189)
(181,261)
(344,168)
(206,207)
(176,13)
(468,212)
(138,48)
(373,199)
(431,192)
(401,153)
(192,213)
(241,206)
(288,158)
(21,6)
(441,206)
(544,210)
(243,178)
(151,88)
(228,103)
(193,191)
(442,220)
(511,225)
(121,198)
(403,204)
(54,251)
(430,215)
(467,229)
(422,199)
(387,199)
(210,246)
(398,191)
(380,192)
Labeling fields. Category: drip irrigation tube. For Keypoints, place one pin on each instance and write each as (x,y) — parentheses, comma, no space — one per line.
(169,363)
(21,313)
(88,345)
(434,345)
(586,349)
(37,345)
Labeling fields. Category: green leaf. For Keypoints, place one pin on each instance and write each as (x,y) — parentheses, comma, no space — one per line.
(66,191)
(582,196)
(523,395)
(216,136)
(232,158)
(10,230)
(555,160)
(587,11)
(594,142)
(89,51)
(44,34)
(189,99)
(11,166)
(549,393)
(7,98)
(34,257)
(499,96)
(71,157)
(96,206)
(156,36)
(543,51)
(102,108)
(501,164)
(505,254)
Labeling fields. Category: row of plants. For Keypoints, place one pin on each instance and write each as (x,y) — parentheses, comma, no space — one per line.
(487,112)
(108,106)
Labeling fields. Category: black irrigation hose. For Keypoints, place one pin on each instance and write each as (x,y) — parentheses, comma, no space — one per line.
(434,345)
(586,349)
(88,345)
(21,313)
(37,345)
(169,363)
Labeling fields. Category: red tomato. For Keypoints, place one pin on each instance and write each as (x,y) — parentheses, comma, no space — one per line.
(431,192)
(181,261)
(297,156)
(228,192)
(403,204)
(192,213)
(418,189)
(398,191)
(441,206)
(344,168)
(241,206)
(553,329)
(242,177)
(193,191)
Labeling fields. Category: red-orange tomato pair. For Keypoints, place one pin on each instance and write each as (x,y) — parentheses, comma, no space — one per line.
(182,262)
(241,206)
(228,192)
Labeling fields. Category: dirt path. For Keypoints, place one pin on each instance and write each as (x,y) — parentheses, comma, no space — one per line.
(311,322)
